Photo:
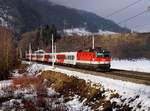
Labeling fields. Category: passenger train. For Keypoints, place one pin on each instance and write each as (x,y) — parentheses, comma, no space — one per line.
(97,59)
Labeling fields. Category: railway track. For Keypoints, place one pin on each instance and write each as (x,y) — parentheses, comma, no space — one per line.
(130,76)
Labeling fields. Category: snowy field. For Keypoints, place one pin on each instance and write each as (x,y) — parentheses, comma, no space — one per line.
(128,90)
(141,65)
(135,95)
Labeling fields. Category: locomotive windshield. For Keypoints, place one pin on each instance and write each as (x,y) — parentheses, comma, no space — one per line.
(103,54)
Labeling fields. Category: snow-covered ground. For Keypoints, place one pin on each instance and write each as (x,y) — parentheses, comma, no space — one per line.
(5,83)
(127,90)
(141,65)
(134,95)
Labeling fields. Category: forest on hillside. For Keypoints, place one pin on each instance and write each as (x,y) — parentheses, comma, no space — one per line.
(27,15)
(122,46)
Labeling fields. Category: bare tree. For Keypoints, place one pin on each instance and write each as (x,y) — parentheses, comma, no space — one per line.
(7,52)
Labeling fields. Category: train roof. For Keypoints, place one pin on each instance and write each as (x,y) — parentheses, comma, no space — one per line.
(97,49)
(39,51)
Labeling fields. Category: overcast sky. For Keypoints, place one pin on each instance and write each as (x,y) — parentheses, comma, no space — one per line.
(106,7)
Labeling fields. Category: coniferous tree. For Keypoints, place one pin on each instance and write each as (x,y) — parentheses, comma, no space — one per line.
(47,32)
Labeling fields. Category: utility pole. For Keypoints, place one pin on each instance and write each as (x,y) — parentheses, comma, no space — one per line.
(20,53)
(26,52)
(93,42)
(52,50)
(65,23)
(148,8)
(125,24)
(72,29)
(55,51)
(30,52)
(55,48)
(41,38)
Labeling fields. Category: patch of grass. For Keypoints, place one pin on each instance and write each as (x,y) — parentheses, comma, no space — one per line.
(21,68)
(26,81)
(94,95)
(70,86)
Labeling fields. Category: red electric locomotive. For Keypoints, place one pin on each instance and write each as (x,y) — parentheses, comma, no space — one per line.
(98,58)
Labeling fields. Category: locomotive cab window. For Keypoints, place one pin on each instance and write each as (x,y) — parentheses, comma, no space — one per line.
(102,54)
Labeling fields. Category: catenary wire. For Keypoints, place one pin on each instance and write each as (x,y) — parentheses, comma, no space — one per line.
(124,8)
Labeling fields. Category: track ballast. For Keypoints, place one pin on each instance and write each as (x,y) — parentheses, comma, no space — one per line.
(131,76)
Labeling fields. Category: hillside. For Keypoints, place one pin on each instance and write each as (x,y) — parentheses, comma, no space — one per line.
(122,46)
(26,15)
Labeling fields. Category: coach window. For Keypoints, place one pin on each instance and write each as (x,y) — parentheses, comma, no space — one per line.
(72,57)
(68,57)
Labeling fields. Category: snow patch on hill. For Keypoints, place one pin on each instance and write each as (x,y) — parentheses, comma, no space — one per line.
(5,18)
(3,22)
(84,32)
(3,14)
(101,32)
(77,31)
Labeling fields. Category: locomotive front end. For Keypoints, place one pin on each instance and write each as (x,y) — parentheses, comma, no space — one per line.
(103,57)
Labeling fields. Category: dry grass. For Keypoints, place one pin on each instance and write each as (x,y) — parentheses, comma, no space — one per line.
(70,86)
(24,82)
(41,101)
(22,68)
